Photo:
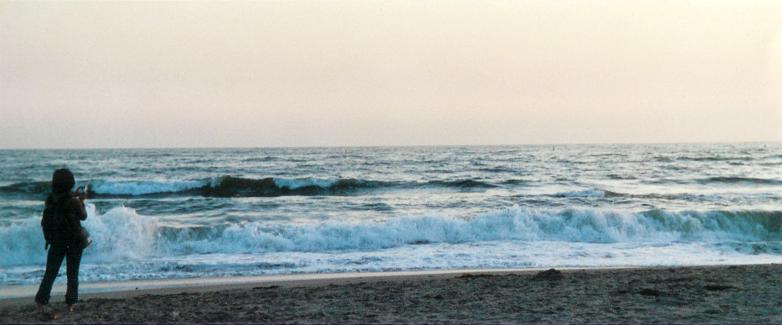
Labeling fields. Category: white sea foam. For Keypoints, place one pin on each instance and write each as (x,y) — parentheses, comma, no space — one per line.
(129,245)
(514,224)
(121,233)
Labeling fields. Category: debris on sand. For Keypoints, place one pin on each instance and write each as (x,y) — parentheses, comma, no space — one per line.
(548,275)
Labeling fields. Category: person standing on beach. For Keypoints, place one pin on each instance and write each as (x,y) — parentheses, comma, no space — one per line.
(61,225)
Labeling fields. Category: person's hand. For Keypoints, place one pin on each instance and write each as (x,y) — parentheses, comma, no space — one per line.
(46,246)
(80,194)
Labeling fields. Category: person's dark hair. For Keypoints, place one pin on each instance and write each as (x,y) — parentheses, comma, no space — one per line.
(62,181)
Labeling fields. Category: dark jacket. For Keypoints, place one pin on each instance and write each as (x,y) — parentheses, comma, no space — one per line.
(62,217)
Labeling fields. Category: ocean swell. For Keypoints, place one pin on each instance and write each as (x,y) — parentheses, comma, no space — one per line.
(231,186)
(38,189)
(735,180)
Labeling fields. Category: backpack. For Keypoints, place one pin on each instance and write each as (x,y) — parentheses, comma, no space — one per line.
(53,220)
(57,228)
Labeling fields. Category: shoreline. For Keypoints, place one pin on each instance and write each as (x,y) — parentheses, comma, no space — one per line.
(691,294)
(132,288)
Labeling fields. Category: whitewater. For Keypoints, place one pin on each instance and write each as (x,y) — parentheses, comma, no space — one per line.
(185,213)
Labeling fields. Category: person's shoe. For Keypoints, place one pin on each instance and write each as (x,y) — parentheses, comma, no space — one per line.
(39,308)
(71,308)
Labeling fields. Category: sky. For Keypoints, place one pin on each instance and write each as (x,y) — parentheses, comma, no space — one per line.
(366,73)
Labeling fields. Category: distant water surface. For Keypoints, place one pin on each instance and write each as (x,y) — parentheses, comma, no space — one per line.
(181,213)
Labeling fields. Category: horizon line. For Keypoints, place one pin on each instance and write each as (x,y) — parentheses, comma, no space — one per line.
(410,145)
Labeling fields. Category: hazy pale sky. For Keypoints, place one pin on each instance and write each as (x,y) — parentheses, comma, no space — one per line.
(322,73)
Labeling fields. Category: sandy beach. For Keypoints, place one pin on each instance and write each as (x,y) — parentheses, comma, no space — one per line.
(708,294)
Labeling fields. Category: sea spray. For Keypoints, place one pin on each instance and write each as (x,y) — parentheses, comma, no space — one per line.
(118,234)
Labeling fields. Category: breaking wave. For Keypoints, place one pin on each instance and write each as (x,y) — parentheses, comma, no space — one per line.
(121,234)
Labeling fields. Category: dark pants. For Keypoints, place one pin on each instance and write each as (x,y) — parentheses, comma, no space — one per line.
(53,261)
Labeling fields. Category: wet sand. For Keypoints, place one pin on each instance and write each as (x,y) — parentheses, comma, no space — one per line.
(709,294)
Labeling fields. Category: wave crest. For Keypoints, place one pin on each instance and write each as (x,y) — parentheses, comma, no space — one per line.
(121,233)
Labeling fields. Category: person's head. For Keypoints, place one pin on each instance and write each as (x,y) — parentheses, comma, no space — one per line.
(62,181)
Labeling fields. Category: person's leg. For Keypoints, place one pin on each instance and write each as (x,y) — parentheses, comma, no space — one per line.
(73,259)
(53,262)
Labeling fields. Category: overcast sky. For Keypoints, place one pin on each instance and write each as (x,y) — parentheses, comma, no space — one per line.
(343,73)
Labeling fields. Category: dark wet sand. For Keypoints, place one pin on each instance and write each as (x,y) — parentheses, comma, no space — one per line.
(711,294)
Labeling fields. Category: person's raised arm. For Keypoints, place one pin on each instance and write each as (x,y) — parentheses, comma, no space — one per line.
(78,206)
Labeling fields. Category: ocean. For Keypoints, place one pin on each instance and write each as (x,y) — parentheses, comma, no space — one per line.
(187,213)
